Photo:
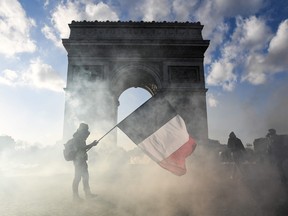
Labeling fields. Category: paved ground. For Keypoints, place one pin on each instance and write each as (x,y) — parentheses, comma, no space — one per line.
(148,190)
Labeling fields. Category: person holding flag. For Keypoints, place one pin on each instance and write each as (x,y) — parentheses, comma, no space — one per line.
(160,132)
(80,161)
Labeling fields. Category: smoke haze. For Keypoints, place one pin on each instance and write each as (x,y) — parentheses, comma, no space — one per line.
(36,180)
(128,183)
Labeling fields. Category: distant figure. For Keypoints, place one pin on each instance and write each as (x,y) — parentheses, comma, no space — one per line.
(237,150)
(277,152)
(80,161)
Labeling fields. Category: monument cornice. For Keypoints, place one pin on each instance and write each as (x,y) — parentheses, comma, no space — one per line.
(137,23)
(157,31)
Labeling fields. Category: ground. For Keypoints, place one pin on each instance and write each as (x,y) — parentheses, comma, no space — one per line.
(140,190)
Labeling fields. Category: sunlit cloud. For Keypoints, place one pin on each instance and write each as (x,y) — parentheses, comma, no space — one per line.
(37,75)
(8,77)
(15,29)
(212,100)
(155,10)
(46,3)
(253,50)
(236,7)
(278,47)
(213,14)
(43,76)
(183,8)
(50,34)
(222,74)
(261,65)
(65,12)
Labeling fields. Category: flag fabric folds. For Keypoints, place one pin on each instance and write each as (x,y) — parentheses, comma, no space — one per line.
(161,133)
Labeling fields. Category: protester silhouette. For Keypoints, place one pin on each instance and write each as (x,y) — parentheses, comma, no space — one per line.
(80,161)
(237,151)
(277,152)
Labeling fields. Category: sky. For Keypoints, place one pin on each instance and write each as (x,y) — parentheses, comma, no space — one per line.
(246,64)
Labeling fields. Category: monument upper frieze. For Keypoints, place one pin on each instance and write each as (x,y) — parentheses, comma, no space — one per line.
(110,30)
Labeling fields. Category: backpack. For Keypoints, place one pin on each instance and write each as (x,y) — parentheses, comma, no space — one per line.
(70,150)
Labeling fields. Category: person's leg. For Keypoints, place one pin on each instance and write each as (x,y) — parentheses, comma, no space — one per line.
(85,180)
(76,181)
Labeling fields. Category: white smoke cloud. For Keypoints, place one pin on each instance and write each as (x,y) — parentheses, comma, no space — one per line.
(15,29)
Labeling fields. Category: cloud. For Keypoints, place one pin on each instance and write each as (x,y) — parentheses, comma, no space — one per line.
(255,70)
(261,65)
(15,29)
(46,3)
(248,41)
(37,75)
(65,12)
(43,76)
(215,15)
(155,10)
(50,34)
(251,33)
(183,8)
(212,101)
(222,73)
(214,12)
(8,77)
(238,7)
(100,11)
(278,47)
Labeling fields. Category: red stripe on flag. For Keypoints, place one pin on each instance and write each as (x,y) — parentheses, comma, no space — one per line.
(175,163)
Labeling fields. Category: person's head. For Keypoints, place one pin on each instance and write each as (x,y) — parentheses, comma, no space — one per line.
(232,135)
(271,132)
(83,131)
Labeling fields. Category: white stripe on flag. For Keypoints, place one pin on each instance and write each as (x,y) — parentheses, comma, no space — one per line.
(166,140)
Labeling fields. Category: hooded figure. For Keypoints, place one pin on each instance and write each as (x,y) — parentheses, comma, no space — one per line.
(237,150)
(277,152)
(80,161)
(234,143)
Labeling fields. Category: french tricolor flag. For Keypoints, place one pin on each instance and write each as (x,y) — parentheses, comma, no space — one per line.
(161,133)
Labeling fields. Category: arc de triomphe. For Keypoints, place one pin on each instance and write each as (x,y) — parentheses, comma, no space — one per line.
(106,58)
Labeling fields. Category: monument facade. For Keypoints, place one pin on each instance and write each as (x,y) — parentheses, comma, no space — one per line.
(106,58)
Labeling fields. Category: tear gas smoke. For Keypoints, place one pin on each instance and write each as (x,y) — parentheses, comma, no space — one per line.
(129,183)
(138,189)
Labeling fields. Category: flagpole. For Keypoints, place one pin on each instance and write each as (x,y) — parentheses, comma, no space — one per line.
(103,136)
(107,132)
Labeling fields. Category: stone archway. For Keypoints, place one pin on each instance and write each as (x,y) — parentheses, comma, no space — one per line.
(106,58)
(136,75)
